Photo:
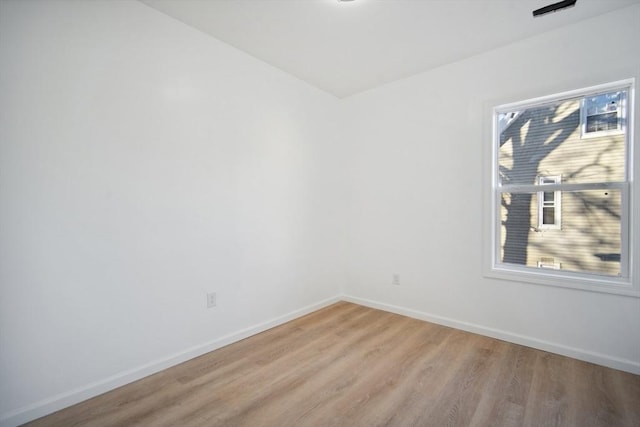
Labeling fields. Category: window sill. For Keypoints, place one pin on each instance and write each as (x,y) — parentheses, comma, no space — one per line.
(601,133)
(568,280)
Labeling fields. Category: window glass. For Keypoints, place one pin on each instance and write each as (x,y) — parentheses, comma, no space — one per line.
(603,113)
(546,140)
(559,196)
(589,241)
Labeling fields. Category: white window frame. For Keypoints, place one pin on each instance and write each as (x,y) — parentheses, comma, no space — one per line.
(621,111)
(556,205)
(623,284)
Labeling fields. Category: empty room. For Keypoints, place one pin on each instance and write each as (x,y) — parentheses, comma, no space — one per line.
(319,213)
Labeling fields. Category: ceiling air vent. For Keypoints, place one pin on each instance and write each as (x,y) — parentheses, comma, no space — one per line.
(554,7)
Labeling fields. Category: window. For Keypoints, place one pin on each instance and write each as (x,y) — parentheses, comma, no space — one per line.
(549,205)
(603,113)
(547,262)
(575,231)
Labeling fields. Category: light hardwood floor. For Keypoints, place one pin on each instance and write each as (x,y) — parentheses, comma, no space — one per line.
(348,365)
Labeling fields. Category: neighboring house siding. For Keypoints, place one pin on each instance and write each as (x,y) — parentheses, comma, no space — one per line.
(588,237)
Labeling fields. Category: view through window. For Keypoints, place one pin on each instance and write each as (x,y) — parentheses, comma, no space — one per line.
(576,147)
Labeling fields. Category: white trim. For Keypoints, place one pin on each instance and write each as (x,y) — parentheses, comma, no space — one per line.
(71,397)
(562,96)
(573,352)
(525,188)
(629,204)
(567,279)
(494,268)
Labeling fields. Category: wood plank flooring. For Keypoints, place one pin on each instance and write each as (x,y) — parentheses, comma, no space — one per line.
(348,365)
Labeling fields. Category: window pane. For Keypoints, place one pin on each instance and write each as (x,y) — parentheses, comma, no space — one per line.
(602,103)
(602,122)
(544,180)
(588,242)
(549,216)
(547,141)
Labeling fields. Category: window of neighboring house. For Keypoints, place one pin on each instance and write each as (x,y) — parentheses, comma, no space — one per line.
(547,262)
(549,205)
(603,113)
(586,196)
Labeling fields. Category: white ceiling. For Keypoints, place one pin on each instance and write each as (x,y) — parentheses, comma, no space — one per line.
(346,48)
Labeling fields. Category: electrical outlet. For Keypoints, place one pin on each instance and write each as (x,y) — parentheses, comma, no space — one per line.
(211,299)
(395,280)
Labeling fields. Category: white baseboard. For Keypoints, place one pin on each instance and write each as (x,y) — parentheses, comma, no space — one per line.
(63,400)
(576,353)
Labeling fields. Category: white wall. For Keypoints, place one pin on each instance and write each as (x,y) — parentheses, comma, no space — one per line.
(418,194)
(143,164)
